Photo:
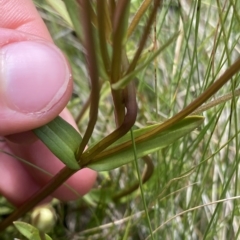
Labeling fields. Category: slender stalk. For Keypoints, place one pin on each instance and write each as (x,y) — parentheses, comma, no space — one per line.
(102,14)
(93,72)
(42,235)
(141,10)
(144,37)
(120,16)
(112,7)
(45,191)
(118,36)
(129,120)
(141,184)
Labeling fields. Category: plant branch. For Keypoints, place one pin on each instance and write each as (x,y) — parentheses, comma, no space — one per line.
(45,191)
(141,10)
(144,37)
(129,120)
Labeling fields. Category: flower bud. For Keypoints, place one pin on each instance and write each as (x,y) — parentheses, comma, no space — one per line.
(44,218)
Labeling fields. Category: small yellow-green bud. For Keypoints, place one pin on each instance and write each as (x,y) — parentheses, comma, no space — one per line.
(44,218)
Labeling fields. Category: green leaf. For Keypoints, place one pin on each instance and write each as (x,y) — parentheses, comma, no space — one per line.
(74,13)
(60,8)
(62,140)
(115,156)
(29,231)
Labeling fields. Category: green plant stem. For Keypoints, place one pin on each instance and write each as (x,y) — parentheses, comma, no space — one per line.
(37,197)
(141,184)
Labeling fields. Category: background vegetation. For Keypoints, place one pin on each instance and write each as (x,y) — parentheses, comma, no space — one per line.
(195,172)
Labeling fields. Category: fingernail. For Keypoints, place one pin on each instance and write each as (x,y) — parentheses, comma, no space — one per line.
(33,76)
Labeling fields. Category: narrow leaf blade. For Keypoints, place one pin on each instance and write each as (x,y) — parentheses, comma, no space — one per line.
(29,231)
(115,159)
(60,8)
(61,139)
(74,12)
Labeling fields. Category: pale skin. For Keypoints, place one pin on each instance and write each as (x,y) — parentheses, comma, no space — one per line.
(20,28)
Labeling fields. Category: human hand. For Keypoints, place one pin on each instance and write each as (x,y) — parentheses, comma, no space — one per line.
(35,85)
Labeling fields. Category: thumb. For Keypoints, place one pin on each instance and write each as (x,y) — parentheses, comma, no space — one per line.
(35,85)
